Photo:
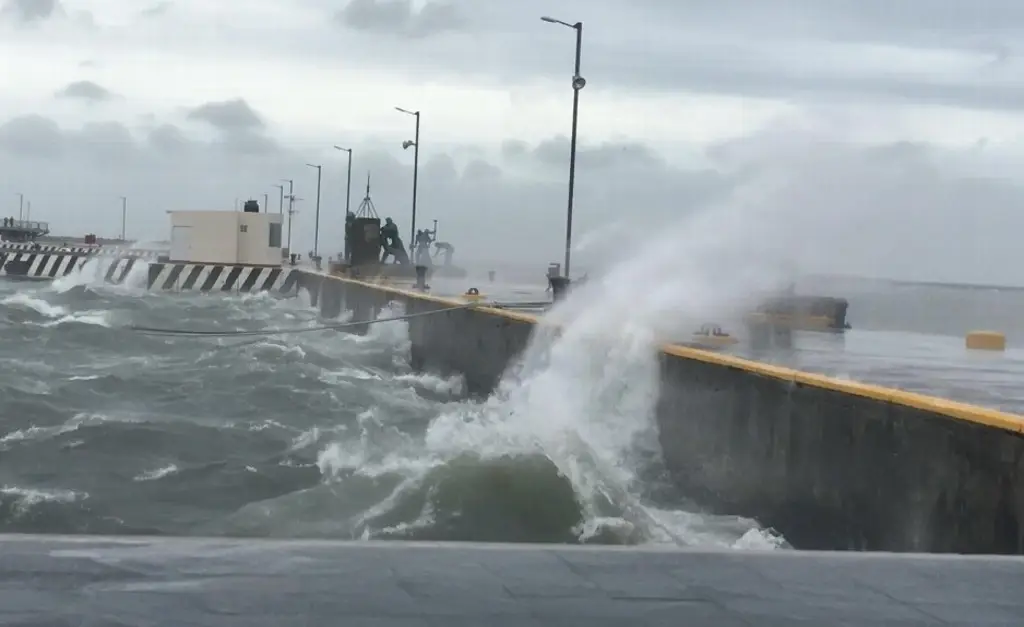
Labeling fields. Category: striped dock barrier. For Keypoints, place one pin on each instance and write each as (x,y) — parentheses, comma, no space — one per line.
(39,266)
(165,276)
(47,248)
(102,251)
(204,277)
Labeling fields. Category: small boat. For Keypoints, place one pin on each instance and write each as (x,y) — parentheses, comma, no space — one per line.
(711,336)
(473,295)
(802,313)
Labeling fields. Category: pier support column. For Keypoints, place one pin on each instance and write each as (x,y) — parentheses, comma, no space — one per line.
(314,293)
(364,310)
(312,283)
(330,299)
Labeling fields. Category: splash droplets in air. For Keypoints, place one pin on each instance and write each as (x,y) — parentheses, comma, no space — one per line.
(93,274)
(565,450)
(584,396)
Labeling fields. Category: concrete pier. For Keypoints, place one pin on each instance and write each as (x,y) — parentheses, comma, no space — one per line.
(830,464)
(44,264)
(222,583)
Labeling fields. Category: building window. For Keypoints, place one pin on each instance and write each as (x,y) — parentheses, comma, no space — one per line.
(275,234)
(243,228)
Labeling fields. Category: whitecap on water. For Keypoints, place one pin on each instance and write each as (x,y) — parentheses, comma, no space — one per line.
(158,473)
(25,300)
(93,318)
(24,499)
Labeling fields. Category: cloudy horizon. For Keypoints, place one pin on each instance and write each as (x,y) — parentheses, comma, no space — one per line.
(902,126)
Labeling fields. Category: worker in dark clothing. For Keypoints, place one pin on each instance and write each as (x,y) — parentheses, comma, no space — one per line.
(392,243)
(447,249)
(350,225)
(388,233)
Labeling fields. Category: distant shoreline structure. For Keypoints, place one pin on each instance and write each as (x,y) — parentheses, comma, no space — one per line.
(913,283)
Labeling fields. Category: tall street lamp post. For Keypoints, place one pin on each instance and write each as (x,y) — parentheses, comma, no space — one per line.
(415,143)
(348,184)
(280,202)
(316,222)
(124,215)
(291,210)
(578,83)
(348,200)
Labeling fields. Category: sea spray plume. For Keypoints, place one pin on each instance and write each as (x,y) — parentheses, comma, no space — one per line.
(867,209)
(584,391)
(587,390)
(601,240)
(90,274)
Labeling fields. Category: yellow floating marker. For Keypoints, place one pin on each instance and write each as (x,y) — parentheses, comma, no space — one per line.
(986,341)
(472,294)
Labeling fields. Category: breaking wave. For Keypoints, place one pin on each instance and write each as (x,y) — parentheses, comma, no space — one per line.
(320,434)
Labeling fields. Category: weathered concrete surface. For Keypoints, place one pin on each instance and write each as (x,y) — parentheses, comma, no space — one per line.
(831,465)
(837,471)
(461,341)
(477,345)
(219,583)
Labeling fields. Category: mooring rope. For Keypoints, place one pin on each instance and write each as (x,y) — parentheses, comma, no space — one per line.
(157,331)
(634,506)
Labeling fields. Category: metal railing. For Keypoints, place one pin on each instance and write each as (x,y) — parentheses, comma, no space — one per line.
(25,225)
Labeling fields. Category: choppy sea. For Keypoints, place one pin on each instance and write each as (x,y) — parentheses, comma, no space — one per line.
(323,434)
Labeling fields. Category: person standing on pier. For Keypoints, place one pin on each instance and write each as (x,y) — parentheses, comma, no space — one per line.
(350,226)
(424,239)
(392,243)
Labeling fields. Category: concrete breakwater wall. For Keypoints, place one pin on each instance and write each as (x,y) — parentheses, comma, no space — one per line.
(198,277)
(47,267)
(205,277)
(39,266)
(103,251)
(830,464)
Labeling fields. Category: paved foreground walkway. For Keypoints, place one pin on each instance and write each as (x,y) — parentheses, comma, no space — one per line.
(97,582)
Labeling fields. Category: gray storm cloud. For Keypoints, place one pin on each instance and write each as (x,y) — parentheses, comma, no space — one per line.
(33,10)
(892,209)
(85,90)
(400,17)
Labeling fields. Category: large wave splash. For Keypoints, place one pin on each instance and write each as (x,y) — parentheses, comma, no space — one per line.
(565,450)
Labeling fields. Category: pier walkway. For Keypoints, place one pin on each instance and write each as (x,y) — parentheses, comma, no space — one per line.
(221,583)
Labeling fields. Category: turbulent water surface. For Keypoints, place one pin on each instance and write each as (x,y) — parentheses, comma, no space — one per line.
(104,430)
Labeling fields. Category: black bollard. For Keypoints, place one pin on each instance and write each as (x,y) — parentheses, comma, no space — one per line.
(559,287)
(421,278)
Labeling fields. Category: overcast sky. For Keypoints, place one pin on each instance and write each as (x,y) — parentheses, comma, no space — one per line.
(884,139)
